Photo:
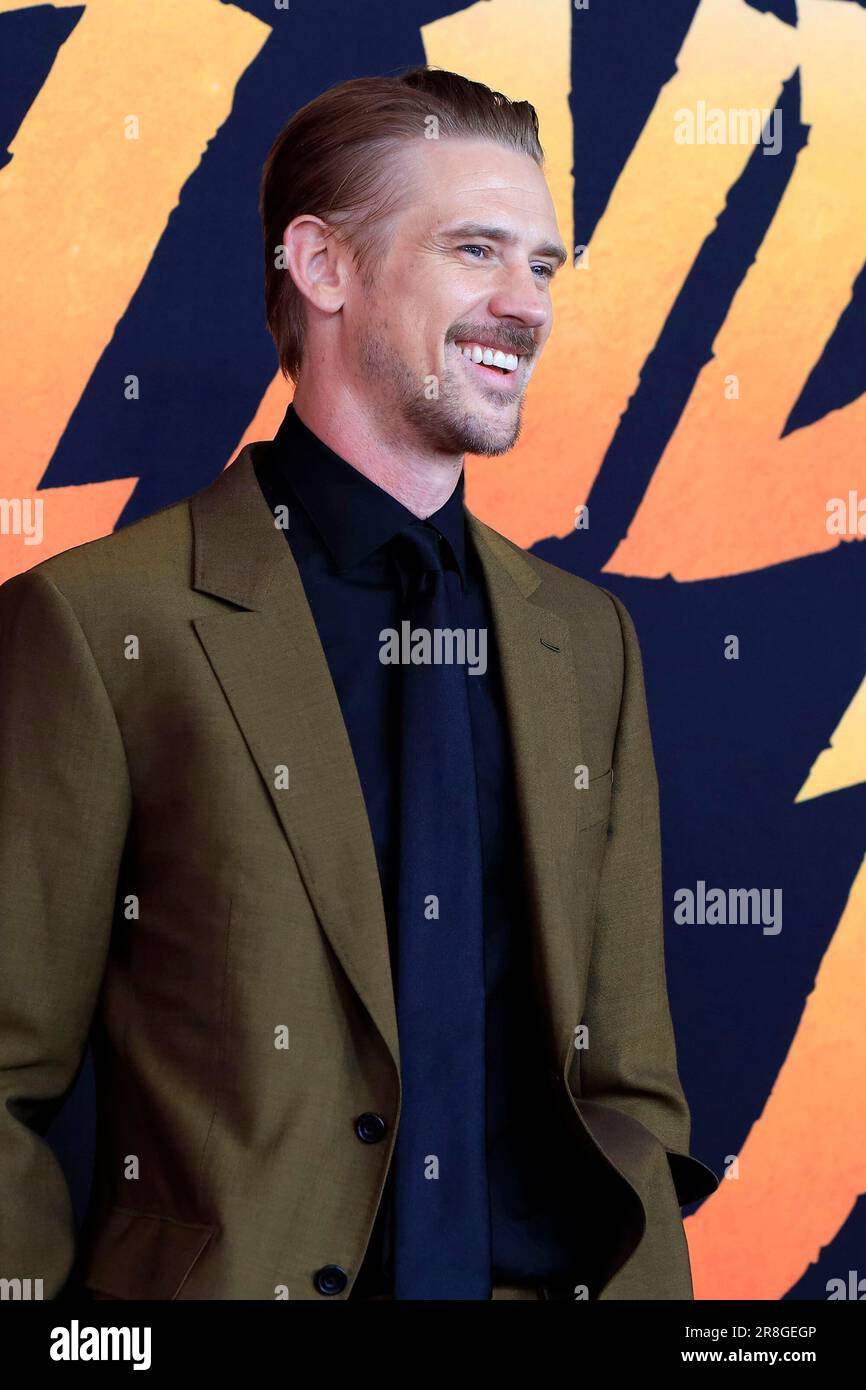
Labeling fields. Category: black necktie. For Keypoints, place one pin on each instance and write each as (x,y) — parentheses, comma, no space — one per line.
(441,1206)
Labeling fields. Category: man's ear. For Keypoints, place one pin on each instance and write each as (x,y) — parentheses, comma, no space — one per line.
(317,262)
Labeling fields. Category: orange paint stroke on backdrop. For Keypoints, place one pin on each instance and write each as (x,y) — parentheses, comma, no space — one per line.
(81,212)
(729,495)
(803,1165)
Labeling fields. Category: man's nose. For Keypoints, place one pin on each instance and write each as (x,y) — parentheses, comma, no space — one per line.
(516,297)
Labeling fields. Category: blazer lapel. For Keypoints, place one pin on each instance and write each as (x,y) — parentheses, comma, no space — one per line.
(541,696)
(274,673)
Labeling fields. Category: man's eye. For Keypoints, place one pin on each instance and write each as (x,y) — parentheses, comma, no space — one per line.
(546,270)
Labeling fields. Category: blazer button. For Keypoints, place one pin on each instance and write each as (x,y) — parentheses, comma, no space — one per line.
(370,1127)
(331,1279)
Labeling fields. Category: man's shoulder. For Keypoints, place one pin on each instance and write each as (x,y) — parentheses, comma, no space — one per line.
(565,593)
(153,550)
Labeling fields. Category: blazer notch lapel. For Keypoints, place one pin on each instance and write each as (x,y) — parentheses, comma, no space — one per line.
(273,671)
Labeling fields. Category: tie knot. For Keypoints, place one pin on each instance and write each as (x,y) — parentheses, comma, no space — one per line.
(417,548)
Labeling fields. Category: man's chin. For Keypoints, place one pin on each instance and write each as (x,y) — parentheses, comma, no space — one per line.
(470,427)
(484,427)
(488,448)
(491,440)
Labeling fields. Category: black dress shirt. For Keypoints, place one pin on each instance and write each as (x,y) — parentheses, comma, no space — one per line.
(340,523)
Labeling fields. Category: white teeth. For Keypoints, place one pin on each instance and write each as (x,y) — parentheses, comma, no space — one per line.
(508,361)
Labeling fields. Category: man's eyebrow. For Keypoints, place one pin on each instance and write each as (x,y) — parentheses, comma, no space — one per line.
(468,230)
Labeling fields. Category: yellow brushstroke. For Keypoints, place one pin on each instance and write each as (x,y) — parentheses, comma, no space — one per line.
(803,1165)
(81,212)
(7,6)
(843,764)
(728,496)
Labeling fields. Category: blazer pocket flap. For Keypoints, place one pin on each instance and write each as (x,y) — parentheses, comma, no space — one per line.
(137,1255)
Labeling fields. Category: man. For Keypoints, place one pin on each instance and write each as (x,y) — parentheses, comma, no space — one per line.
(332,815)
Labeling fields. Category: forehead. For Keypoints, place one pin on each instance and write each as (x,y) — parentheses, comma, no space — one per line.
(453,177)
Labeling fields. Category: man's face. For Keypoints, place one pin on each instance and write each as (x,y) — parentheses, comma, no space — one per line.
(445,281)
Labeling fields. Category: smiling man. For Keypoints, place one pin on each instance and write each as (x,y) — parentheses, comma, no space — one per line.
(370,946)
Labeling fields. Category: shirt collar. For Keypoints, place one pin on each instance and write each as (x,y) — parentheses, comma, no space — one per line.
(353,515)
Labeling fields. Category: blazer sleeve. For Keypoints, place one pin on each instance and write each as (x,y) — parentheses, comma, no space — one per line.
(630,1062)
(64,811)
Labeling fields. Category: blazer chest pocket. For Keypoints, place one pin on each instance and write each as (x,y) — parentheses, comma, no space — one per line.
(594,800)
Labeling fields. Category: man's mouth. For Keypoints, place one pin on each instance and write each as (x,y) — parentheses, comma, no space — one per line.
(497,364)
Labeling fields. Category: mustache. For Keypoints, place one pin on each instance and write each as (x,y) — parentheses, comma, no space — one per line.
(506,337)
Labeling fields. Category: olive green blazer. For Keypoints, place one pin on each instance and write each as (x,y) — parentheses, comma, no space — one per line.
(187,877)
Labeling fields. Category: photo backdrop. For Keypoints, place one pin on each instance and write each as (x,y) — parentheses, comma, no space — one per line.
(693,440)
